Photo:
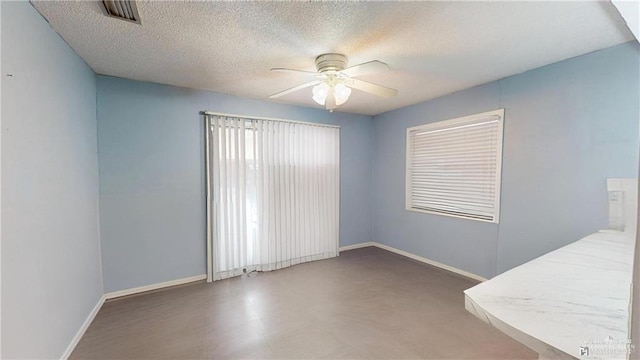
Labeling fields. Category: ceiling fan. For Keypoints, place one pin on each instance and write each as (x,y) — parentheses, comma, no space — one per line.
(334,81)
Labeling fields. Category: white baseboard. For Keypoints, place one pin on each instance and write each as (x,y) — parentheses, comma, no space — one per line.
(141,289)
(414,257)
(356,246)
(115,294)
(431,262)
(83,329)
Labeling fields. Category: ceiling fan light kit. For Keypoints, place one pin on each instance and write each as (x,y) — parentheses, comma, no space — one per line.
(320,93)
(335,81)
(340,92)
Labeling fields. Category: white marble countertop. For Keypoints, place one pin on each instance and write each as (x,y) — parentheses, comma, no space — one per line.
(573,297)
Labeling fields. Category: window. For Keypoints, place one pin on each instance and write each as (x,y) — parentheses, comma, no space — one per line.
(454,167)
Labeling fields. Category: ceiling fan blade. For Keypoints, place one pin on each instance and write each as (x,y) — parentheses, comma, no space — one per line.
(371,88)
(295,88)
(366,68)
(294,70)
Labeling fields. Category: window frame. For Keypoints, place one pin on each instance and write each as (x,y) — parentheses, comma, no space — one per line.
(445,124)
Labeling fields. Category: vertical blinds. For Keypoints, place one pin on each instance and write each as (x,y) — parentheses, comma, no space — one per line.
(453,166)
(273,194)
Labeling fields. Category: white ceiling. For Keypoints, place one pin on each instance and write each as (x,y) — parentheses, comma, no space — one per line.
(433,48)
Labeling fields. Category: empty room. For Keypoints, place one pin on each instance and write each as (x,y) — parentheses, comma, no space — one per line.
(319,180)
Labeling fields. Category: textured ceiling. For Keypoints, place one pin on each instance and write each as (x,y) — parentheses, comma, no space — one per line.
(433,48)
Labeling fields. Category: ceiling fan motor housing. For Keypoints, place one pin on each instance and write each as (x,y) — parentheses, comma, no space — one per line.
(331,62)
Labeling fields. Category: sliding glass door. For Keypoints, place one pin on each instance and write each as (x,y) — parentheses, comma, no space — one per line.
(273,194)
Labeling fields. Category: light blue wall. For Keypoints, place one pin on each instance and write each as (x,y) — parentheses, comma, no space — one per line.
(51,273)
(151,145)
(465,244)
(568,126)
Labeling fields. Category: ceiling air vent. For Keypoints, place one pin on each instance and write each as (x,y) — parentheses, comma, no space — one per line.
(122,9)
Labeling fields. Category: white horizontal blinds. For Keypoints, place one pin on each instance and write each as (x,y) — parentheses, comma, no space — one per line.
(275,186)
(454,167)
